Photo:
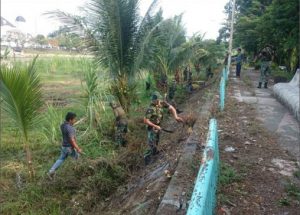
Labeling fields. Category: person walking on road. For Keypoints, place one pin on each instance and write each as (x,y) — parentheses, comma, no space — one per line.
(153,119)
(265,57)
(69,145)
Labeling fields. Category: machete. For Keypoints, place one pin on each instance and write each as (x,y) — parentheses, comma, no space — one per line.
(166,130)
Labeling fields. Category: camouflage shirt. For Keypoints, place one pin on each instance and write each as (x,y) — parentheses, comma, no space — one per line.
(155,112)
(264,56)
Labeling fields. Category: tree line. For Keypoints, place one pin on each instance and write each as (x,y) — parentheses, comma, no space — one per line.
(266,23)
(125,42)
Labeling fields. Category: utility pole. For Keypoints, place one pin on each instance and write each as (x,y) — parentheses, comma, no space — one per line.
(231,35)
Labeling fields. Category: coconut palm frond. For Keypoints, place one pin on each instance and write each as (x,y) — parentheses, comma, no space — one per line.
(167,45)
(75,24)
(147,46)
(148,21)
(114,25)
(163,64)
(180,55)
(22,96)
(149,12)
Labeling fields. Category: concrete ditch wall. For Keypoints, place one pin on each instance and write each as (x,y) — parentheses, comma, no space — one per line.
(288,94)
(175,199)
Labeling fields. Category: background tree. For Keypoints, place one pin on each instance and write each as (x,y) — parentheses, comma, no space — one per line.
(210,53)
(167,49)
(224,31)
(275,23)
(66,39)
(171,50)
(40,39)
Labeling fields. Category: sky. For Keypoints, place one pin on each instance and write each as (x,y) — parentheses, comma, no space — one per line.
(203,16)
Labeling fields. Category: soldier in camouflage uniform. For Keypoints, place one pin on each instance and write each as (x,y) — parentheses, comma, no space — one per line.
(177,76)
(171,95)
(185,74)
(190,81)
(209,73)
(266,57)
(171,91)
(152,119)
(120,124)
(148,82)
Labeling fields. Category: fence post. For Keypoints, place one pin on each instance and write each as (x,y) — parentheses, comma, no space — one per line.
(224,74)
(227,72)
(222,93)
(203,199)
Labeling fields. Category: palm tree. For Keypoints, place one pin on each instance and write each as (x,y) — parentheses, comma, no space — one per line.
(115,34)
(21,99)
(172,50)
(213,52)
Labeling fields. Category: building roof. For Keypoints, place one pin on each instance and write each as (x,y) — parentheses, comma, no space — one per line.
(4,22)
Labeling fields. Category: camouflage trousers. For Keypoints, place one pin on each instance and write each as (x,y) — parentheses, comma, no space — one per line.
(120,134)
(171,93)
(152,140)
(264,71)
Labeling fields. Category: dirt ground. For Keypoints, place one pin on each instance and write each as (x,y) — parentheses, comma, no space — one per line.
(262,179)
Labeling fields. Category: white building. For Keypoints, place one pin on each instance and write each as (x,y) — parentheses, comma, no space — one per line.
(14,35)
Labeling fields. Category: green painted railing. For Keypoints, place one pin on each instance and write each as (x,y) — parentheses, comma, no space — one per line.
(224,73)
(203,201)
(222,93)
(223,81)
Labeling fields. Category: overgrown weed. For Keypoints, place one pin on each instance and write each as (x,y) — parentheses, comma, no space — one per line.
(228,175)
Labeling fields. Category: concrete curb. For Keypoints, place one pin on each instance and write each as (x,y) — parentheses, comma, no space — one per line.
(175,200)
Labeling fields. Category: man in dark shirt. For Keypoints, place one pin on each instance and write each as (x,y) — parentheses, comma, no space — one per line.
(69,145)
(238,59)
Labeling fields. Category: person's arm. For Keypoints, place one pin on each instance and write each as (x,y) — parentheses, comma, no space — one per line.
(148,122)
(234,58)
(74,144)
(257,57)
(174,113)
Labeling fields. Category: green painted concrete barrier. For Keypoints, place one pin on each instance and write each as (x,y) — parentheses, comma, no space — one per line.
(203,201)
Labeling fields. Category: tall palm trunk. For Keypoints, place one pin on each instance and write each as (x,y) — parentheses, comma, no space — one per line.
(124,91)
(29,159)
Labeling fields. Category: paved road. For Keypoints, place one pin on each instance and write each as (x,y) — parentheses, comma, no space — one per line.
(275,117)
